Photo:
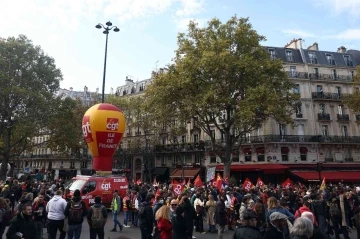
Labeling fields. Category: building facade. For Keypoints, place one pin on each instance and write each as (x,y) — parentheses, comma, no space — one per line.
(325,139)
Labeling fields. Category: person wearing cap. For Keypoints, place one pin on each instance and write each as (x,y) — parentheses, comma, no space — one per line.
(277,227)
(248,229)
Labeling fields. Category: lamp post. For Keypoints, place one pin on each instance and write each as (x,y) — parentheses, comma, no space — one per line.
(106,31)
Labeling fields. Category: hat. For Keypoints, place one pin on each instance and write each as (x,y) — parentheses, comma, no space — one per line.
(277,216)
(249,214)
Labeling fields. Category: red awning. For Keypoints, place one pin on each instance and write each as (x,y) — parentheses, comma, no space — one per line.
(188,173)
(303,150)
(247,151)
(285,150)
(330,176)
(266,168)
(260,150)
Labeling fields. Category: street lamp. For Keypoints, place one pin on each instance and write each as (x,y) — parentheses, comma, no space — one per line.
(106,31)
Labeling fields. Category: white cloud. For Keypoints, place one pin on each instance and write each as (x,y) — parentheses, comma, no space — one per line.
(298,33)
(349,7)
(190,8)
(350,34)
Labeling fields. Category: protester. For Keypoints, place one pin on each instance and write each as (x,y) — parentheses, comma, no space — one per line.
(97,218)
(75,211)
(249,229)
(55,209)
(115,208)
(39,212)
(220,215)
(163,222)
(179,224)
(146,218)
(210,216)
(302,229)
(22,226)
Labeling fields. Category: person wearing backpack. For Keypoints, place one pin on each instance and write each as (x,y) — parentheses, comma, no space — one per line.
(75,211)
(96,218)
(335,214)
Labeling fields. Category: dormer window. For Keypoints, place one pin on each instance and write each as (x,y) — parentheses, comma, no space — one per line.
(330,59)
(272,53)
(313,59)
(289,56)
(348,61)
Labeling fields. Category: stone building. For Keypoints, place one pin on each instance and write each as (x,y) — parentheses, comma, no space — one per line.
(325,139)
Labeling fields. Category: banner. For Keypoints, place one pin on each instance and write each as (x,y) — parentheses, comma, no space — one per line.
(248,184)
(210,175)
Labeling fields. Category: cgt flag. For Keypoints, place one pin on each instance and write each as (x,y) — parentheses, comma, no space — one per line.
(287,183)
(260,183)
(248,184)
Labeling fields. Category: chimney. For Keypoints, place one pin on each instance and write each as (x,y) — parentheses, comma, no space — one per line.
(314,47)
(294,44)
(341,49)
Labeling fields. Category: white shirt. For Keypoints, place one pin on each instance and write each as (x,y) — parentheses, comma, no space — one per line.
(198,202)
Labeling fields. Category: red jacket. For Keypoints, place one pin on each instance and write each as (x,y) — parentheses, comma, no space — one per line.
(304,209)
(165,228)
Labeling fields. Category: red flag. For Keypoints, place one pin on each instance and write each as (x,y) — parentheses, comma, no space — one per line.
(198,182)
(177,189)
(287,183)
(248,184)
(218,181)
(138,181)
(157,193)
(260,183)
(175,182)
(226,180)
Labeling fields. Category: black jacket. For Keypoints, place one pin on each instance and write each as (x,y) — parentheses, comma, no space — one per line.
(190,215)
(179,228)
(22,224)
(220,213)
(274,233)
(67,209)
(248,232)
(146,217)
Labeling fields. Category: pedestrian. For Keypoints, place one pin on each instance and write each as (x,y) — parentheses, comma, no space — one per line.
(97,218)
(75,211)
(199,208)
(135,207)
(56,209)
(249,230)
(126,209)
(39,212)
(210,207)
(115,208)
(22,226)
(179,224)
(146,218)
(220,215)
(164,226)
(5,215)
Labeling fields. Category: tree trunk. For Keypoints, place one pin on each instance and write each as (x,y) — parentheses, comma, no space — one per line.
(227,165)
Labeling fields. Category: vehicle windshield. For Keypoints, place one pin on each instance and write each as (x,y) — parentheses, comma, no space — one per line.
(77,184)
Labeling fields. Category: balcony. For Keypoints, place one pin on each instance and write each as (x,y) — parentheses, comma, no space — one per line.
(302,138)
(317,76)
(327,96)
(299,115)
(323,116)
(296,74)
(343,117)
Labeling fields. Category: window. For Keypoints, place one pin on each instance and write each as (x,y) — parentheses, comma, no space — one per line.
(289,55)
(183,139)
(284,153)
(223,140)
(296,89)
(334,74)
(330,59)
(163,140)
(212,159)
(293,71)
(319,89)
(212,133)
(282,129)
(316,73)
(300,129)
(338,90)
(196,138)
(341,109)
(352,74)
(344,131)
(90,186)
(313,59)
(322,109)
(272,54)
(163,160)
(348,60)
(197,159)
(84,164)
(260,154)
(325,130)
(235,158)
(298,110)
(72,164)
(174,160)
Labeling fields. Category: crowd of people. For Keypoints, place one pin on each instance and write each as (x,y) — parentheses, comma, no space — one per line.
(29,208)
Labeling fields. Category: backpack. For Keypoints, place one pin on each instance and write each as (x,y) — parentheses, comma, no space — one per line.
(97,217)
(76,212)
(334,210)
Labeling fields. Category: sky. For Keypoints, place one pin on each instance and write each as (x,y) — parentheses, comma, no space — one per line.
(65,29)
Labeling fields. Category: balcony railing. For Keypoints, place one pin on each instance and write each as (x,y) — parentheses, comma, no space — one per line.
(296,74)
(327,96)
(343,117)
(317,76)
(302,138)
(323,116)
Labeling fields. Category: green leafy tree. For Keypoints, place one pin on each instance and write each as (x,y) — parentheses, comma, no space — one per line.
(353,100)
(222,78)
(64,128)
(28,79)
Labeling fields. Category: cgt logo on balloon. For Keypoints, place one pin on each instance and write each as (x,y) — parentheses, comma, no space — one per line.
(86,129)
